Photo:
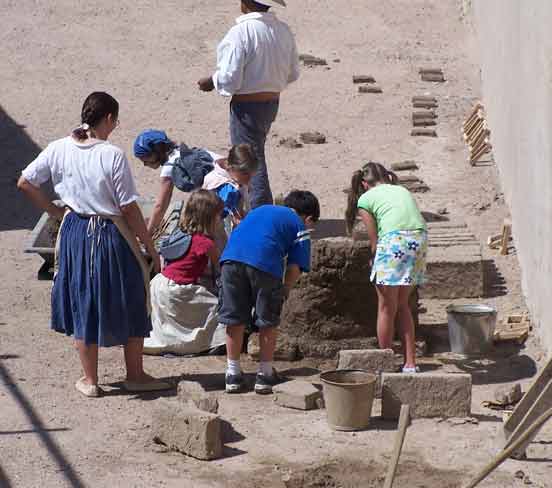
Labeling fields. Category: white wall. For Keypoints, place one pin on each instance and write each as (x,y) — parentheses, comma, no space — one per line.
(515,40)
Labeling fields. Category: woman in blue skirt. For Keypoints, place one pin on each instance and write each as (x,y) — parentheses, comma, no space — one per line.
(100,288)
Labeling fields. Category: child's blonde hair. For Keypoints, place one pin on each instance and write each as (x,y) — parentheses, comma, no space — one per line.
(201,212)
(242,158)
(371,173)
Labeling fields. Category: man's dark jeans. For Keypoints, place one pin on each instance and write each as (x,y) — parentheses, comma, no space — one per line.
(249,124)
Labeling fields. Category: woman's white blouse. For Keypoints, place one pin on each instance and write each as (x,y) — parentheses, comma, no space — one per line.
(93,178)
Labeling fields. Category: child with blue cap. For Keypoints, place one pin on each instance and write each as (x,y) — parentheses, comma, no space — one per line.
(155,149)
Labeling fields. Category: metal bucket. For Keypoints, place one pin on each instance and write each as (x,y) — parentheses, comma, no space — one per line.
(349,396)
(471,328)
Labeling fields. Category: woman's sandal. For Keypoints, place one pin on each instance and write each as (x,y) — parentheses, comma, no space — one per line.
(411,370)
(91,391)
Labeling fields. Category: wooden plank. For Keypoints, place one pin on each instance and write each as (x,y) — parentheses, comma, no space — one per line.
(506,453)
(518,334)
(542,404)
(506,234)
(528,400)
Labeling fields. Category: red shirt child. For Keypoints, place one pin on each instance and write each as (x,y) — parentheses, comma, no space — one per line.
(188,269)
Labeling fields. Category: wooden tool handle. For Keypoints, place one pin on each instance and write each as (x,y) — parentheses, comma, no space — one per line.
(505,454)
(404,421)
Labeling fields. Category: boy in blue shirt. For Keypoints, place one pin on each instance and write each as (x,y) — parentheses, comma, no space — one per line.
(253,277)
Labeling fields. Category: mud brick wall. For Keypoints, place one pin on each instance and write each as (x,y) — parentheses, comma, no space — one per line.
(334,306)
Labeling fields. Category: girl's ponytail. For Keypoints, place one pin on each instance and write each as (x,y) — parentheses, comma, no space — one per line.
(355,192)
(81,132)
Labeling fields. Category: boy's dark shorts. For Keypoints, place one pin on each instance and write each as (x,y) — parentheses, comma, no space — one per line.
(244,288)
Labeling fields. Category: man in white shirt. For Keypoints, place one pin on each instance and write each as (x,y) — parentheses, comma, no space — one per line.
(256,60)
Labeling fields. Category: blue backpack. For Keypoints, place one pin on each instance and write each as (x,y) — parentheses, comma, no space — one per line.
(176,245)
(190,168)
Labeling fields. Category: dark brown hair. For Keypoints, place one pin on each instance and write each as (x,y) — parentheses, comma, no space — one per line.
(162,151)
(242,158)
(304,203)
(371,173)
(200,214)
(95,108)
(252,5)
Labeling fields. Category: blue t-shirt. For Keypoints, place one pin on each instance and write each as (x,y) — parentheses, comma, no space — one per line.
(230,196)
(266,236)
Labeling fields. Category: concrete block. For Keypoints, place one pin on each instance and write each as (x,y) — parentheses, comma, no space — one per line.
(188,430)
(428,394)
(376,361)
(196,396)
(298,394)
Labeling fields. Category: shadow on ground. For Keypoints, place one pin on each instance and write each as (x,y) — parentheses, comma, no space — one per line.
(17,150)
(65,468)
(495,368)
(494,282)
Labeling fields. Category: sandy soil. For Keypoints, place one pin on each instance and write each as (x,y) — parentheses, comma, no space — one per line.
(52,54)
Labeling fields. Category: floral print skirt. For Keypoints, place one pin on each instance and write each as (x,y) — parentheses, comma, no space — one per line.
(400,258)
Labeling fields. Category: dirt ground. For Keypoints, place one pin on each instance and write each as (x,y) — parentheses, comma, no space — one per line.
(52,54)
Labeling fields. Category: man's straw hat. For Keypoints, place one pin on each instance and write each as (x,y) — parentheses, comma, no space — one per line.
(272,3)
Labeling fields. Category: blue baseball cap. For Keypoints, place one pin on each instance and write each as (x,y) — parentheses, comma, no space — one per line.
(147,139)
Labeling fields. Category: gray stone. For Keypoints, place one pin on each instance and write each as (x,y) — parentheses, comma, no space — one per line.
(290,142)
(188,430)
(310,60)
(297,394)
(508,395)
(195,395)
(312,138)
(376,361)
(428,394)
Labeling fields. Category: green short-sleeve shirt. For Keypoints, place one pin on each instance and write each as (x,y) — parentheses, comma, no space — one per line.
(393,208)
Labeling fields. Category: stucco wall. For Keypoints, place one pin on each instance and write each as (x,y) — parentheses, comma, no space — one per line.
(515,40)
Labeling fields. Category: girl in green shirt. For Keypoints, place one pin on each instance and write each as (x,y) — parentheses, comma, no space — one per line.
(398,236)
